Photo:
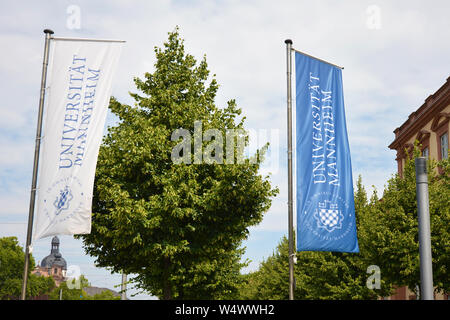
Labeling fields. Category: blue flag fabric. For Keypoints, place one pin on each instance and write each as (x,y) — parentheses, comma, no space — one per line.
(325,203)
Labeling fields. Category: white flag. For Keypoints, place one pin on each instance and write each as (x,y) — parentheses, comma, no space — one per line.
(80,78)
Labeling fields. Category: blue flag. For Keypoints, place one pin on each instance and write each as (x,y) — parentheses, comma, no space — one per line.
(325,203)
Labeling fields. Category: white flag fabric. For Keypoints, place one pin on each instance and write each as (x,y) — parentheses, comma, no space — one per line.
(78,92)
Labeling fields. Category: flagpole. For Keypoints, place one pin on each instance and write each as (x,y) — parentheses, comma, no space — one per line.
(48,34)
(123,287)
(289,136)
(423,213)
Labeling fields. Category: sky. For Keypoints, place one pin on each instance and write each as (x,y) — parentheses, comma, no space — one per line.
(394,53)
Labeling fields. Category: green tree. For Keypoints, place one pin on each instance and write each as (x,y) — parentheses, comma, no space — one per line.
(12,259)
(394,238)
(179,227)
(320,275)
(388,239)
(74,289)
(71,289)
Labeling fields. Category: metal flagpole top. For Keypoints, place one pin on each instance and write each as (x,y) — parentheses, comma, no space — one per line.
(288,41)
(48,31)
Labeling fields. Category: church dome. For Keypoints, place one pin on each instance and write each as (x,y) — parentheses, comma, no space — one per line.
(54,258)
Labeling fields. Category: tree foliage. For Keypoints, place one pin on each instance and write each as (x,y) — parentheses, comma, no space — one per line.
(74,289)
(12,259)
(179,227)
(394,239)
(388,238)
(319,275)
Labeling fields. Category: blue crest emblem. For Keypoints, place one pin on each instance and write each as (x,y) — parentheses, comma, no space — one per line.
(328,216)
(62,200)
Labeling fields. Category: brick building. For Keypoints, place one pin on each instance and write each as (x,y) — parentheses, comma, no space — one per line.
(429,125)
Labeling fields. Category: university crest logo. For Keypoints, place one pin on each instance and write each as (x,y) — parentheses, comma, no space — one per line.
(62,200)
(328,216)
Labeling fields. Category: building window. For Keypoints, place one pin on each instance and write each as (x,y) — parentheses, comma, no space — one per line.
(426,152)
(55,271)
(444,145)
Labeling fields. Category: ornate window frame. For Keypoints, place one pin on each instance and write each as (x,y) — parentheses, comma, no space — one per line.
(440,128)
(423,136)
